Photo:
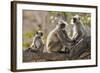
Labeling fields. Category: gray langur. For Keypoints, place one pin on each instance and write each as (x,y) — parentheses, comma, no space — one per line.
(78,28)
(82,30)
(57,39)
(37,43)
(82,41)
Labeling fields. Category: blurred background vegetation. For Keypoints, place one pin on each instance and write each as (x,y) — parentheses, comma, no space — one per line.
(46,21)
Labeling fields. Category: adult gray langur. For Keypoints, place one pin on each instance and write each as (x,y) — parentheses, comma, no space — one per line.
(57,39)
(82,41)
(78,28)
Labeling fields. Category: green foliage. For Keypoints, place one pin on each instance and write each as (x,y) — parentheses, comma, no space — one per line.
(28,35)
(26,44)
(86,20)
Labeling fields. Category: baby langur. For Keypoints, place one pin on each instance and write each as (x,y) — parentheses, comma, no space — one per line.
(37,43)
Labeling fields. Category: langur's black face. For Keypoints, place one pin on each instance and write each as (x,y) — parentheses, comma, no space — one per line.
(40,33)
(62,25)
(76,20)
